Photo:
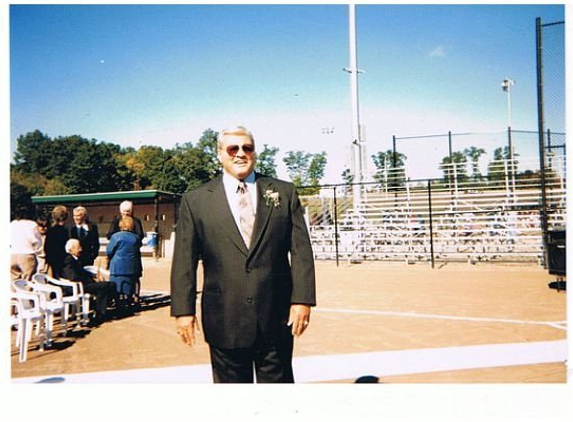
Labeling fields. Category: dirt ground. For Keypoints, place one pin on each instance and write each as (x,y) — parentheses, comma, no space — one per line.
(362,308)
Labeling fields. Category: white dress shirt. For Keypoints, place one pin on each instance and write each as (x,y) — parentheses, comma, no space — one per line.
(231,184)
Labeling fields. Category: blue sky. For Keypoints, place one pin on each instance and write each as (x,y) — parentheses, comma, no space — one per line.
(160,75)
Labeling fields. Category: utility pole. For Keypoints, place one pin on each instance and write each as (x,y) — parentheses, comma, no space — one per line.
(506,86)
(356,145)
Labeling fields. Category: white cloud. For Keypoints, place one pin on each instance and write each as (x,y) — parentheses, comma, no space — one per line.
(439,51)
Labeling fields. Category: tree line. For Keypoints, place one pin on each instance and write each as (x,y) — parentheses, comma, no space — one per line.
(73,164)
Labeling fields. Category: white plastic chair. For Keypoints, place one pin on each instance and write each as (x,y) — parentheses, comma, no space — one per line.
(26,314)
(75,302)
(51,303)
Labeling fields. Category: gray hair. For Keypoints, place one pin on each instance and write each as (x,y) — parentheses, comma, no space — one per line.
(126,206)
(70,244)
(81,209)
(236,130)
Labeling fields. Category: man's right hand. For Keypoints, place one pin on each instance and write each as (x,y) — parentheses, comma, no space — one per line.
(186,326)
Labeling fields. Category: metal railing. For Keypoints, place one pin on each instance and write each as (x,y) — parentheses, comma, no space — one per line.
(450,219)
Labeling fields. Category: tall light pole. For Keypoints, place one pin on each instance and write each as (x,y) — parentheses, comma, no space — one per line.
(356,138)
(506,86)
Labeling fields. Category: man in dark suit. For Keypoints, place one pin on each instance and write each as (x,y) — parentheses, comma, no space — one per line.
(259,281)
(102,292)
(87,233)
(126,210)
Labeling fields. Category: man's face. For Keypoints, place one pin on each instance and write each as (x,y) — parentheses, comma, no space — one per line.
(126,213)
(237,154)
(79,217)
(76,250)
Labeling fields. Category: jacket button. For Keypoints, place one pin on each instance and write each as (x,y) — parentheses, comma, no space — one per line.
(249,300)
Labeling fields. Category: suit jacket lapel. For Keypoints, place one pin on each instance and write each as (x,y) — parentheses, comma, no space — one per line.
(228,225)
(264,211)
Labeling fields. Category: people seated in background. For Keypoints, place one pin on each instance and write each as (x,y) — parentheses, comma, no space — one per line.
(103,292)
(87,233)
(126,210)
(124,255)
(56,237)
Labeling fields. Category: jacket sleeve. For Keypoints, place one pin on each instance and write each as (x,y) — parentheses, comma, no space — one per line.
(184,264)
(94,252)
(110,248)
(302,258)
(113,228)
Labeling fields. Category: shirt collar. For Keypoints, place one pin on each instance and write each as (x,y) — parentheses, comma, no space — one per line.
(231,182)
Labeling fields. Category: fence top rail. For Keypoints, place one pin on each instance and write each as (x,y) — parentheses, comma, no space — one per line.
(434,136)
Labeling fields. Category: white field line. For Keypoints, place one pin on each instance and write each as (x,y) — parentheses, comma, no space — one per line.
(554,324)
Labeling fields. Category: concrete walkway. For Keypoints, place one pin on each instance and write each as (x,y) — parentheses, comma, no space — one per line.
(312,369)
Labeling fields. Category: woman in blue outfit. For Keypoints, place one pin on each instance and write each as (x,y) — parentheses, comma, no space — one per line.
(124,254)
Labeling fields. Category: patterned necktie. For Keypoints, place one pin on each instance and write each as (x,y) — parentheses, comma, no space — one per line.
(246,213)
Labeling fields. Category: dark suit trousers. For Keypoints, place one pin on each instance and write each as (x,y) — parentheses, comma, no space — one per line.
(270,360)
(103,292)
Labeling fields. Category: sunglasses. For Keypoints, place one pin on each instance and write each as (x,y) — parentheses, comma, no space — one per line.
(232,150)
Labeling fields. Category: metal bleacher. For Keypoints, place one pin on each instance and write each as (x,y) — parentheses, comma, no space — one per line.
(467,221)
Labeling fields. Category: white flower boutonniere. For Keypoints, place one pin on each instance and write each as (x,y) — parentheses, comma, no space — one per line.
(272,197)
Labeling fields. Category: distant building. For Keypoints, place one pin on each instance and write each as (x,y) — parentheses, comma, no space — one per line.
(157,211)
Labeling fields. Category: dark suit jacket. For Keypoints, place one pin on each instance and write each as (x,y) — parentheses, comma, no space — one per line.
(55,248)
(74,271)
(243,288)
(90,243)
(137,227)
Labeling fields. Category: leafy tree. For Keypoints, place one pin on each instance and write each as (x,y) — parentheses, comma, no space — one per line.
(474,154)
(499,167)
(266,161)
(196,164)
(454,167)
(208,144)
(69,164)
(36,184)
(316,168)
(155,168)
(33,152)
(20,198)
(305,169)
(347,176)
(190,164)
(390,168)
(85,166)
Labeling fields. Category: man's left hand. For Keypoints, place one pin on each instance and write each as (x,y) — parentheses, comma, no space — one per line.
(299,318)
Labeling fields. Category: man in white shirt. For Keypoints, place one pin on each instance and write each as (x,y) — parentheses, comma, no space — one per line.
(87,233)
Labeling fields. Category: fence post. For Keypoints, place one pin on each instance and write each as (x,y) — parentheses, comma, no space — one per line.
(335,227)
(541,134)
(431,222)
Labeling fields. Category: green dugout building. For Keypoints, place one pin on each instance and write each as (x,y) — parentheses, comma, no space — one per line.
(156,209)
